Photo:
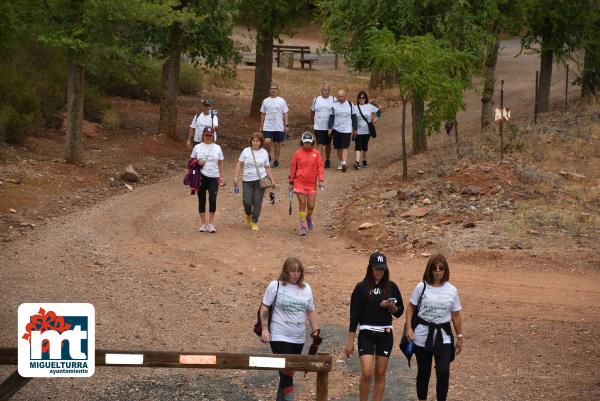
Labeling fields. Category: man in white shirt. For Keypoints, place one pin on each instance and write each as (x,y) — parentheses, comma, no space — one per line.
(274,122)
(342,126)
(319,112)
(206,118)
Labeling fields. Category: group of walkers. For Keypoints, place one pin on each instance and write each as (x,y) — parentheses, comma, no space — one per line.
(288,301)
(434,303)
(336,121)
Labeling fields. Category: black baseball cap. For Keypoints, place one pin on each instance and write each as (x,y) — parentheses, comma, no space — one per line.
(378,260)
(208,102)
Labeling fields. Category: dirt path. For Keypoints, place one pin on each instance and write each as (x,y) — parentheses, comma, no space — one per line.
(156,283)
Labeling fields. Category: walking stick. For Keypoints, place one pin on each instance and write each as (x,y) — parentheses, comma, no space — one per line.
(291,200)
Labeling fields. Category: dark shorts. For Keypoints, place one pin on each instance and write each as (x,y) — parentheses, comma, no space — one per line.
(323,137)
(361,142)
(375,343)
(341,140)
(275,136)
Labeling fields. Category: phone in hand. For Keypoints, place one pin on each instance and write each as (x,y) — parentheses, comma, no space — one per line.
(392,301)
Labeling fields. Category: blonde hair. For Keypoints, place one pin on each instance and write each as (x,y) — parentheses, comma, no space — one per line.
(288,265)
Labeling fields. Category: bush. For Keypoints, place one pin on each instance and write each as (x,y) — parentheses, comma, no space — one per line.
(19,105)
(190,79)
(111,119)
(94,104)
(140,80)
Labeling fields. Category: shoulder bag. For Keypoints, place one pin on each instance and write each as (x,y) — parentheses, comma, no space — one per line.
(264,182)
(258,324)
(372,130)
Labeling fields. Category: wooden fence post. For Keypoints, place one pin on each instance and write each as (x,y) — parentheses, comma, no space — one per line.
(322,385)
(12,385)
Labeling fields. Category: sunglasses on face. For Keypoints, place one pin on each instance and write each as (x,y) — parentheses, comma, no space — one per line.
(438,269)
(362,97)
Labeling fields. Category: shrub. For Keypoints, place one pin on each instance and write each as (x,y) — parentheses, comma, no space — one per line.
(139,80)
(190,79)
(94,104)
(111,119)
(19,105)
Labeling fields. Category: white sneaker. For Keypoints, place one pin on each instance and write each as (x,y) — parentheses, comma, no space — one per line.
(211,229)
(340,164)
(203,228)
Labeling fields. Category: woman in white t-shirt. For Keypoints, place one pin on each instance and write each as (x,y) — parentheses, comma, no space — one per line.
(209,156)
(293,304)
(432,335)
(254,161)
(366,113)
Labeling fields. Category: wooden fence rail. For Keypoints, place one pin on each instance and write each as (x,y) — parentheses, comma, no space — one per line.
(200,360)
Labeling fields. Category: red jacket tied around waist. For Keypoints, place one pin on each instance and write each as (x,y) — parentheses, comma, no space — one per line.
(306,167)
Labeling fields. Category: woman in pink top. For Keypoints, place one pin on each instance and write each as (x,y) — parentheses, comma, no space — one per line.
(306,172)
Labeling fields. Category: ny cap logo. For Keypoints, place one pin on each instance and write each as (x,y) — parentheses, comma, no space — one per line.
(380,258)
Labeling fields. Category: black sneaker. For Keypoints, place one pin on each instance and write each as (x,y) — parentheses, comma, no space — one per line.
(356,165)
(327,164)
(344,168)
(365,165)
(276,164)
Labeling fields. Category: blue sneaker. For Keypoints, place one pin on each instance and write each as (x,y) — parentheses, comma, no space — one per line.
(310,222)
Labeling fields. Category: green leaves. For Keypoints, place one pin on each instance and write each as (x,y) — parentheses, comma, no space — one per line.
(424,67)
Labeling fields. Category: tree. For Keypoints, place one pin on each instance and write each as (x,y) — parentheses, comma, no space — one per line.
(554,30)
(88,31)
(269,18)
(590,76)
(200,29)
(476,26)
(426,68)
(345,22)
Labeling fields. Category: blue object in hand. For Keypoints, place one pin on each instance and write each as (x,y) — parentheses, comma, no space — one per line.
(236,189)
(410,348)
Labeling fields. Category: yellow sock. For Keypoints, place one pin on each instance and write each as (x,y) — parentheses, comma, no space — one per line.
(302,215)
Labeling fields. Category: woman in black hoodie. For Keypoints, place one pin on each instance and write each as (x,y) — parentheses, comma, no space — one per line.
(374,301)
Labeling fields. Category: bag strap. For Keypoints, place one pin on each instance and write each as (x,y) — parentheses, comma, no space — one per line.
(273,304)
(361,113)
(258,172)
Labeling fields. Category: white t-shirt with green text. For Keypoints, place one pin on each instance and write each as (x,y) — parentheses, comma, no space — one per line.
(436,307)
(289,315)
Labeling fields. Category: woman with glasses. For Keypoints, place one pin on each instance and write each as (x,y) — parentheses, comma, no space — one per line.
(432,335)
(366,113)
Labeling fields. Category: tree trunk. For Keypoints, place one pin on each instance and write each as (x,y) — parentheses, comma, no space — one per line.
(264,69)
(380,80)
(75,98)
(169,85)
(545,80)
(404,153)
(489,83)
(419,138)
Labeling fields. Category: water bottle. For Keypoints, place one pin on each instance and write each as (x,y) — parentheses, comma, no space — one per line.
(236,189)
(410,347)
(271,198)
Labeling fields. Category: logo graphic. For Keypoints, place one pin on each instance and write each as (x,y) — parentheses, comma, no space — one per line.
(380,259)
(56,340)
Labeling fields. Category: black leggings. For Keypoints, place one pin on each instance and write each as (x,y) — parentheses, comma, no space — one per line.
(442,371)
(285,391)
(211,185)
